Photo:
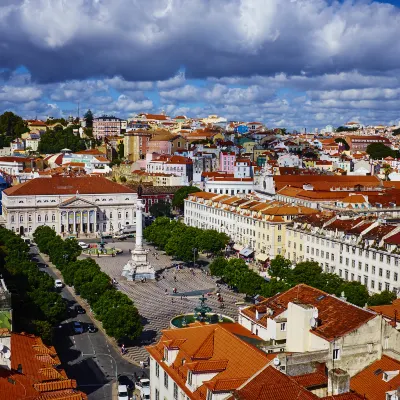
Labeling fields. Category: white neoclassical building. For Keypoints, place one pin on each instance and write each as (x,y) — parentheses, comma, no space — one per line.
(77,205)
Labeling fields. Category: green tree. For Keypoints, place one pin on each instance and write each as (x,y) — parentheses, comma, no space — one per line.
(387,170)
(383,298)
(355,293)
(181,194)
(160,209)
(274,286)
(120,150)
(379,150)
(308,272)
(53,141)
(12,125)
(91,291)
(182,242)
(212,241)
(396,132)
(88,117)
(345,129)
(217,266)
(280,267)
(123,322)
(108,300)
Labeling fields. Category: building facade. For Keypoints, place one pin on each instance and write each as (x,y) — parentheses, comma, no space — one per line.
(84,205)
(106,126)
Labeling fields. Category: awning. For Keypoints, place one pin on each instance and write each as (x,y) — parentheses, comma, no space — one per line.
(238,247)
(262,257)
(246,252)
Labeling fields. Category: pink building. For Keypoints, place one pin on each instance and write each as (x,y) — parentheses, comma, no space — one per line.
(106,126)
(227,161)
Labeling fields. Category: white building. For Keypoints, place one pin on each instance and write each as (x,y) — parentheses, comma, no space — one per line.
(74,205)
(356,249)
(12,165)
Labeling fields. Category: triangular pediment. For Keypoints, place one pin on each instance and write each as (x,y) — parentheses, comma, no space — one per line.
(76,202)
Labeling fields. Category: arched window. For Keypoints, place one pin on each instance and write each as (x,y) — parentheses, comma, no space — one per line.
(46,218)
(39,218)
(21,218)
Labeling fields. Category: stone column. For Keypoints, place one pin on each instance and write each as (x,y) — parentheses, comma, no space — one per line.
(139,225)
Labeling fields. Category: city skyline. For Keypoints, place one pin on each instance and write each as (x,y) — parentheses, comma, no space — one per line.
(297,64)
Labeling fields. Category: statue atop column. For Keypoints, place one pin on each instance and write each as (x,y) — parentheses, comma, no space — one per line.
(138,267)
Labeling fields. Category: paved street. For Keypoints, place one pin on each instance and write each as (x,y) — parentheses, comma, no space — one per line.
(154,299)
(88,357)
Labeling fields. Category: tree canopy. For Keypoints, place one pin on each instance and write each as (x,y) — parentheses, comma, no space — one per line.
(53,141)
(160,209)
(179,240)
(181,194)
(88,117)
(12,126)
(115,309)
(379,150)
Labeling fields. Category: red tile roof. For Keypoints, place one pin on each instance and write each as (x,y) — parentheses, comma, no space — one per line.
(337,317)
(370,383)
(67,185)
(388,310)
(271,384)
(38,380)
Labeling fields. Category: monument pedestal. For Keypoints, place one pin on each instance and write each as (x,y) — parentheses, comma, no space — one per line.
(138,267)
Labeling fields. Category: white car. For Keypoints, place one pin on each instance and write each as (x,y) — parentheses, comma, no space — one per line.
(144,389)
(58,284)
(83,245)
(123,392)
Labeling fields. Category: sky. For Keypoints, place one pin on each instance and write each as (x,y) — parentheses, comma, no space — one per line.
(286,63)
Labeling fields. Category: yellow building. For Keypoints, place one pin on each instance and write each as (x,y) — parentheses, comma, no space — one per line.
(258,226)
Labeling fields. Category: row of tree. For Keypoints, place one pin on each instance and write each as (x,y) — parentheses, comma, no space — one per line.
(37,308)
(116,311)
(236,273)
(53,141)
(180,240)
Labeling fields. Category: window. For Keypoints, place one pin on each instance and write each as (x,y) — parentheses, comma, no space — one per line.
(341,259)
(46,218)
(39,218)
(175,391)
(283,326)
(388,274)
(387,286)
(336,354)
(157,369)
(157,394)
(190,378)
(372,284)
(279,238)
(110,214)
(379,286)
(373,269)
(165,379)
(119,215)
(30,218)
(359,265)
(353,263)
(53,217)
(395,276)
(12,218)
(366,267)
(380,271)
(209,395)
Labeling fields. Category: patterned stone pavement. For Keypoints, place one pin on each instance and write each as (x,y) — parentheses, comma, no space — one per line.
(154,299)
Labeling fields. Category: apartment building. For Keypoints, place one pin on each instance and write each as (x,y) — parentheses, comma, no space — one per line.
(357,249)
(106,126)
(258,226)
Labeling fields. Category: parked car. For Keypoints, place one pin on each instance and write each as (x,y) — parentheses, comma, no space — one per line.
(91,328)
(79,309)
(83,245)
(78,327)
(42,265)
(125,380)
(144,388)
(123,392)
(58,284)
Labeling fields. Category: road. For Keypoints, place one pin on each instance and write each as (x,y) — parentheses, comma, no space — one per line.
(88,357)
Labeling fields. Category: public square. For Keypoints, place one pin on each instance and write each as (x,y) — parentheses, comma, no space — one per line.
(155,299)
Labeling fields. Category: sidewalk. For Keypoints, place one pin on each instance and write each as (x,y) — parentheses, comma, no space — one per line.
(87,308)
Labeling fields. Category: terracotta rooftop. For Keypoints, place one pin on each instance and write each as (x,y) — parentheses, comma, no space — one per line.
(389,311)
(66,185)
(337,317)
(38,379)
(271,384)
(209,347)
(370,383)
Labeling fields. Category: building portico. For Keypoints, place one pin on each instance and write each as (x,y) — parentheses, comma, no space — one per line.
(80,205)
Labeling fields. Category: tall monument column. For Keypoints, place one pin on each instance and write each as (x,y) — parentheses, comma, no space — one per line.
(138,267)
(139,224)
